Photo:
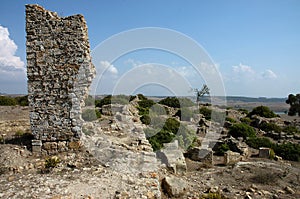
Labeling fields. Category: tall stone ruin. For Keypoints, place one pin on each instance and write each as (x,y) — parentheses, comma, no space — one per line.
(59,71)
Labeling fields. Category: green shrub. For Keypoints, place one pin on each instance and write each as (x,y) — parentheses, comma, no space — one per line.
(246,120)
(170,102)
(177,102)
(146,103)
(91,114)
(161,137)
(142,97)
(241,130)
(257,142)
(7,101)
(52,162)
(116,99)
(22,101)
(288,151)
(222,149)
(144,106)
(244,111)
(268,127)
(145,119)
(291,130)
(230,119)
(165,135)
(262,111)
(206,112)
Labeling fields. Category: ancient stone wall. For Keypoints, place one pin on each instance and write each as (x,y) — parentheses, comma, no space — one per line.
(59,72)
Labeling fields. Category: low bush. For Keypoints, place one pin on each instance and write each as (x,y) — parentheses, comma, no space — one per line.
(262,111)
(22,100)
(91,114)
(206,112)
(145,119)
(229,119)
(109,99)
(244,111)
(291,130)
(288,151)
(177,102)
(7,101)
(257,142)
(222,149)
(241,130)
(268,127)
(52,162)
(165,135)
(246,120)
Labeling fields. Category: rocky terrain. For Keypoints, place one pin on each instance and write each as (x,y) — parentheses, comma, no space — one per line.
(116,160)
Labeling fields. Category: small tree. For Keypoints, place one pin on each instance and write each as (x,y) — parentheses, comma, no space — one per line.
(294,102)
(200,93)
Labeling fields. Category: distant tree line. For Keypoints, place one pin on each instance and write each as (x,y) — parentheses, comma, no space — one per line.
(13,101)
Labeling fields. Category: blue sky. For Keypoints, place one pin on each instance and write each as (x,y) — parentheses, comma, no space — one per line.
(254,44)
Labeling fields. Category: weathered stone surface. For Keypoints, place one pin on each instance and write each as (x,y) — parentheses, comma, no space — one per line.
(172,156)
(174,186)
(231,157)
(202,155)
(264,152)
(59,72)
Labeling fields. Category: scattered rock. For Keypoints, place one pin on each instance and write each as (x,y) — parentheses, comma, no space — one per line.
(289,190)
(173,186)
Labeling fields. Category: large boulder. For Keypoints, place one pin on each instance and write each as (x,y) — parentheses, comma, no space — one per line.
(231,157)
(173,157)
(201,155)
(173,186)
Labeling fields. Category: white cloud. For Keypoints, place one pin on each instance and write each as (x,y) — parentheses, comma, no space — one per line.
(8,60)
(269,74)
(186,71)
(241,68)
(133,63)
(106,66)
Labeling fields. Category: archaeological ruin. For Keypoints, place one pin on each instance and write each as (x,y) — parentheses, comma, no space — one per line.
(59,71)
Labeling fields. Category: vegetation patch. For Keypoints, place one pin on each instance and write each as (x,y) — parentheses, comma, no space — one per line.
(262,111)
(177,102)
(206,112)
(91,114)
(241,130)
(52,162)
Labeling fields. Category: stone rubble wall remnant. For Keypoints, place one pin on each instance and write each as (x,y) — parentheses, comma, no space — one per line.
(59,71)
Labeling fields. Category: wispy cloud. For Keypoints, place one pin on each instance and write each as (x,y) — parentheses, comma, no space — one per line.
(243,69)
(9,62)
(108,67)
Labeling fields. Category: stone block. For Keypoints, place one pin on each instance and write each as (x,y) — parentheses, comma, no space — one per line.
(231,157)
(264,152)
(173,186)
(201,155)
